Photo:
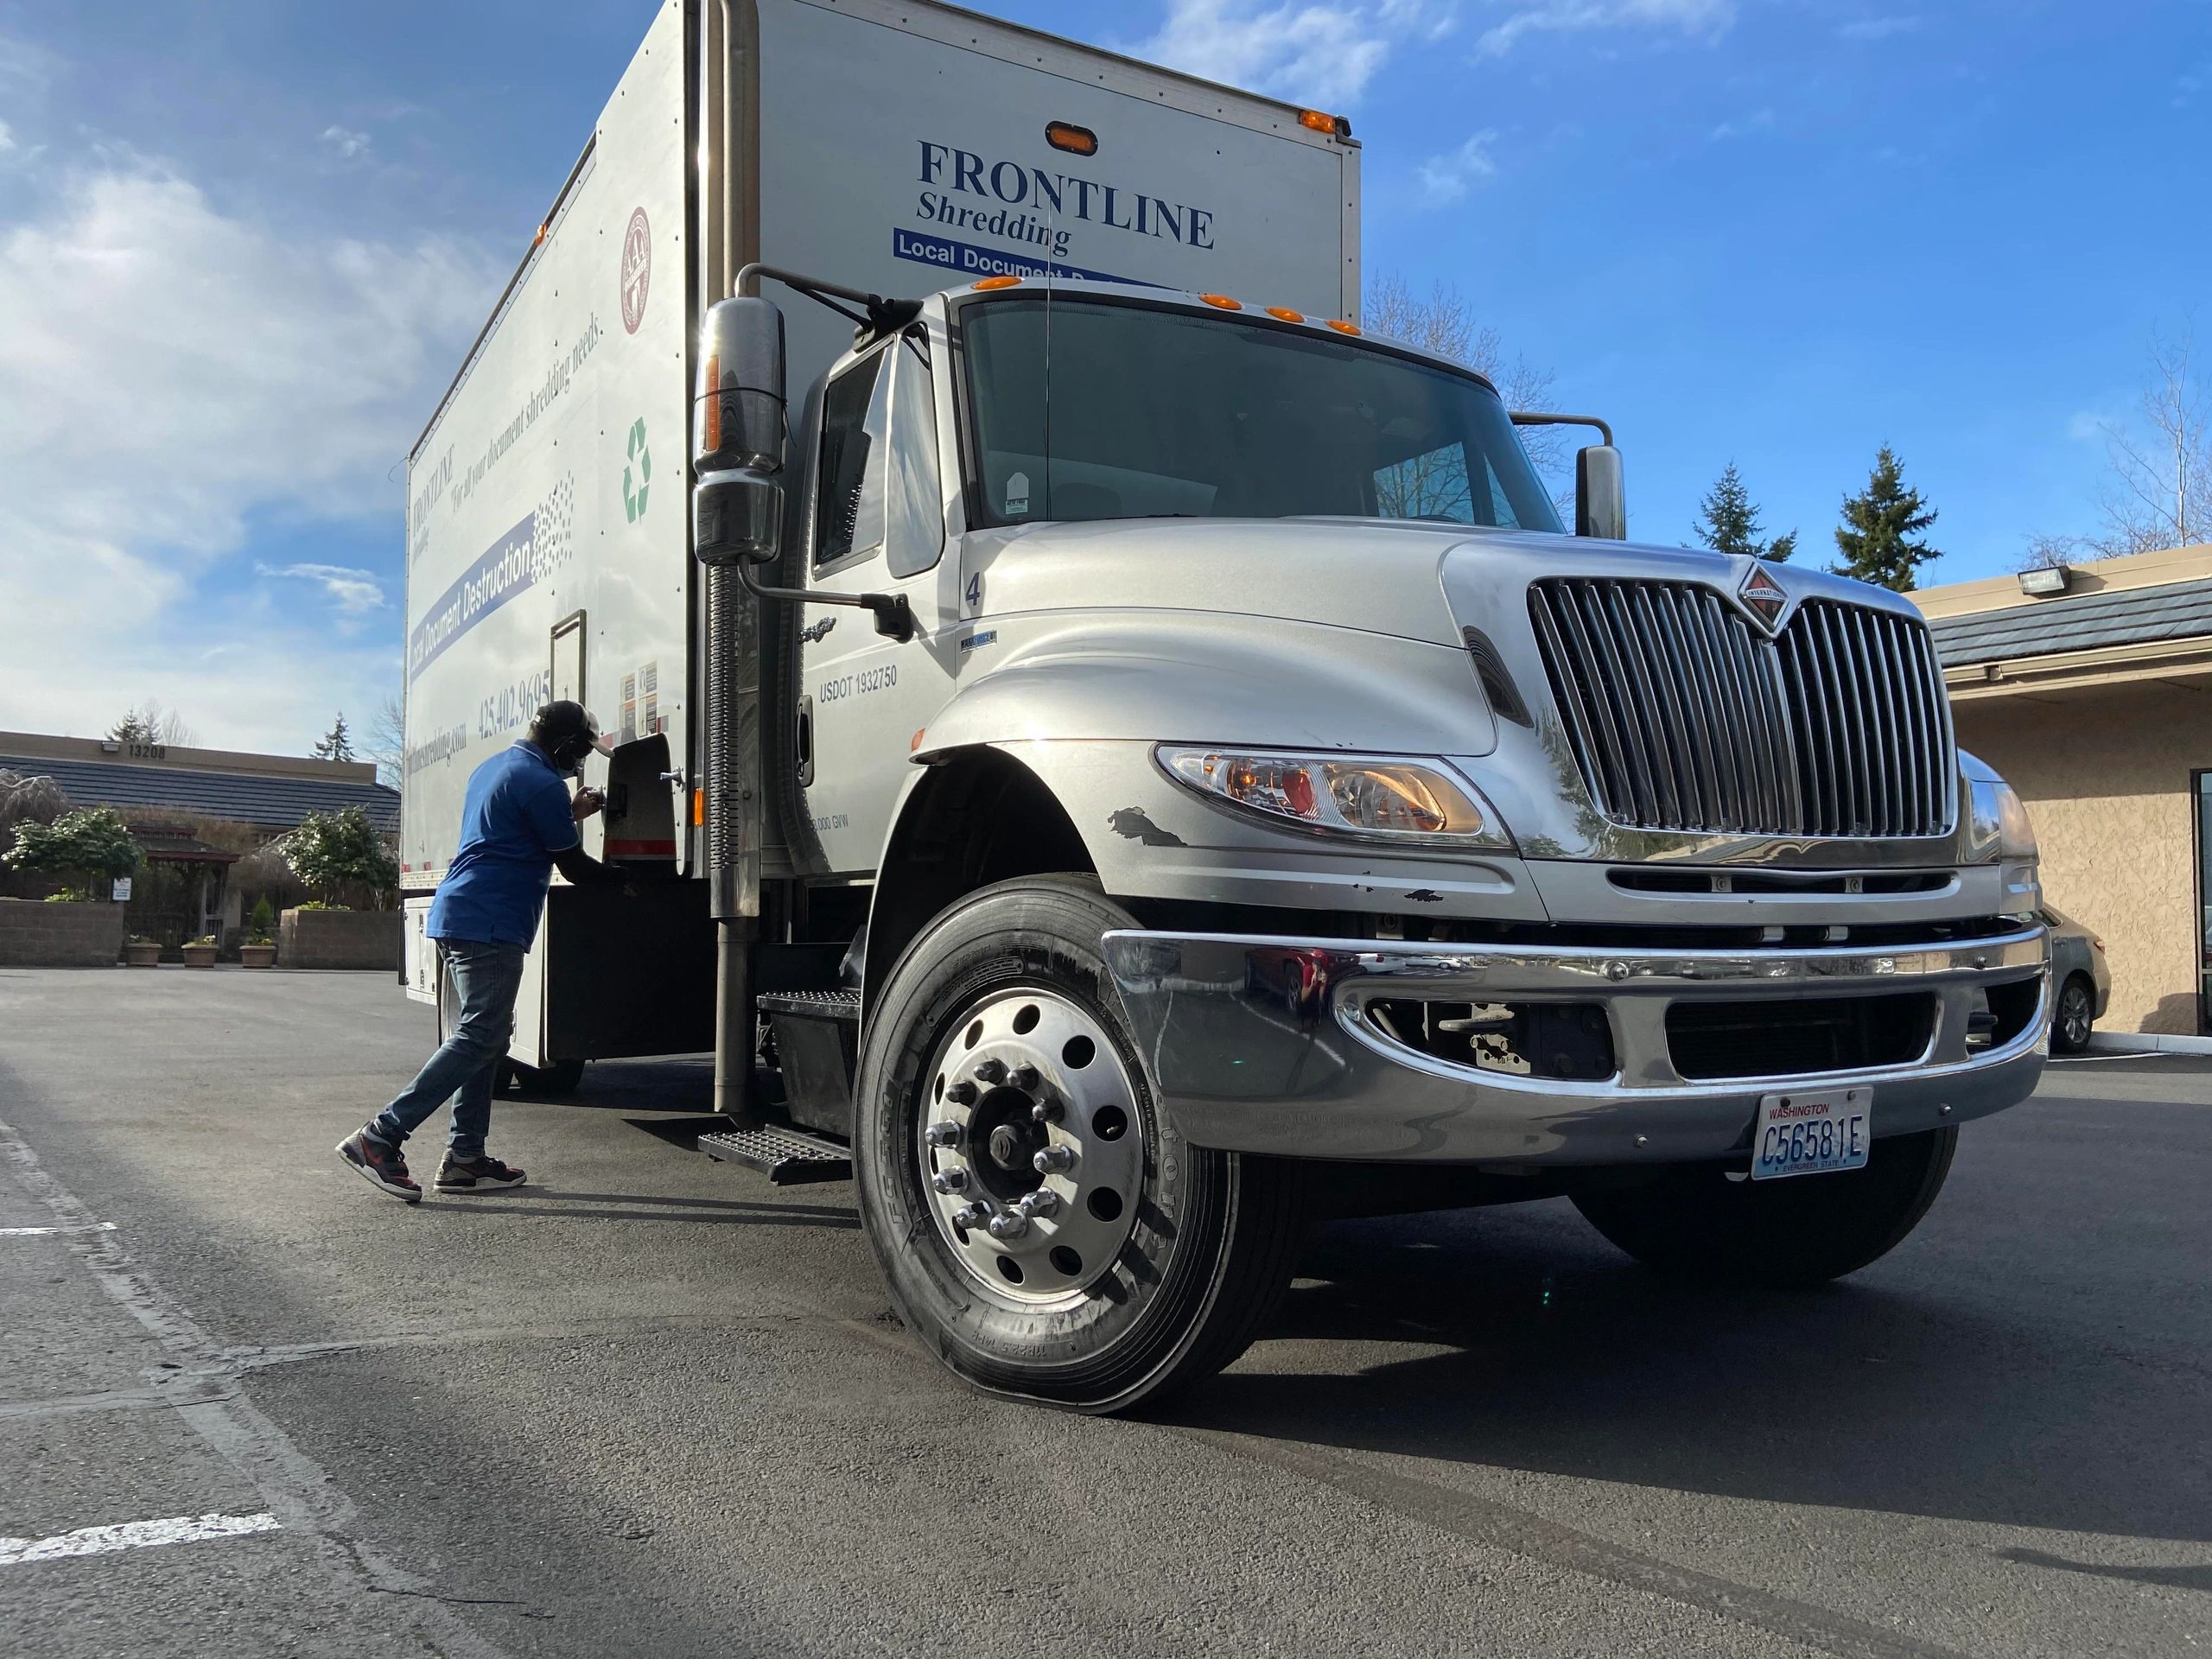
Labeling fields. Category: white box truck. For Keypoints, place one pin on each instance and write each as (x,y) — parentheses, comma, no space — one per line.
(1121,763)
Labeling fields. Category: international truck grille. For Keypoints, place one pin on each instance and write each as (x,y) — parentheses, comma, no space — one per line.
(1685,717)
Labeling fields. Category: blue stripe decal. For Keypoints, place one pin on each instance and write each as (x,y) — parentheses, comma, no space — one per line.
(972,260)
(511,565)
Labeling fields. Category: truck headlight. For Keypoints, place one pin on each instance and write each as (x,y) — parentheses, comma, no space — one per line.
(1367,795)
(1998,823)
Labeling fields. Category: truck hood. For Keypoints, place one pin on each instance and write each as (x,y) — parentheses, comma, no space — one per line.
(1411,580)
(1378,577)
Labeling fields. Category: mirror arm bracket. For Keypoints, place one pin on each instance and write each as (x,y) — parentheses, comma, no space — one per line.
(1539,418)
(894,617)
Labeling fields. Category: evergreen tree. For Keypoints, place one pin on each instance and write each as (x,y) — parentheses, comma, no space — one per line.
(1880,525)
(1728,521)
(338,745)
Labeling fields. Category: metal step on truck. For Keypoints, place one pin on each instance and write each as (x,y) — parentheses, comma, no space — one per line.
(1124,763)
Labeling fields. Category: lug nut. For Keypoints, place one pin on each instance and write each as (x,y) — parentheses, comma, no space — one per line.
(991,1071)
(1043,1202)
(971,1215)
(962,1093)
(1053,1160)
(949,1180)
(1004,1227)
(942,1134)
(1046,1111)
(1023,1077)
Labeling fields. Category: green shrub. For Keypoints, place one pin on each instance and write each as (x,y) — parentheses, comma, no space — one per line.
(342,853)
(91,843)
(260,924)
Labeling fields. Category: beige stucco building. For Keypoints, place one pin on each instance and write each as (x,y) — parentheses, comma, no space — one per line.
(2096,702)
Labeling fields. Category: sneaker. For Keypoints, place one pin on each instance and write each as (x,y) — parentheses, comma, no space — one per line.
(481,1174)
(380,1166)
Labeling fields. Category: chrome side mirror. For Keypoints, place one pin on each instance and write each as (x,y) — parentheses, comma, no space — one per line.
(738,410)
(736,516)
(1600,498)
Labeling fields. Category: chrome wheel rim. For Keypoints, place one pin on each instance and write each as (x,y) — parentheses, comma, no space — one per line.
(1029,1147)
(2074,1016)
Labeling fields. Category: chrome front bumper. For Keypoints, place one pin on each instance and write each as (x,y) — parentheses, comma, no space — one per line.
(1266,1045)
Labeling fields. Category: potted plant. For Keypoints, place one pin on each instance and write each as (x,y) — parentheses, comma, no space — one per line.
(139,951)
(259,950)
(201,952)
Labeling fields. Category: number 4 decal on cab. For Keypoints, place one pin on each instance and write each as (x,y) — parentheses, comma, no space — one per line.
(975,592)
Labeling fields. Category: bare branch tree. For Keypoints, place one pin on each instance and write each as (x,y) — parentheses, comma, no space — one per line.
(150,723)
(2160,495)
(386,743)
(1444,324)
(27,799)
(2043,552)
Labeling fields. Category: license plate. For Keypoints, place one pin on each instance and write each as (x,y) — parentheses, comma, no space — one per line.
(1812,1133)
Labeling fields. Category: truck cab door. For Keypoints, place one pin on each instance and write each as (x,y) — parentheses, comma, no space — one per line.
(877,526)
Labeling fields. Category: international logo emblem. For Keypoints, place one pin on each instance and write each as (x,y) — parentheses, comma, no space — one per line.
(1761,595)
(637,270)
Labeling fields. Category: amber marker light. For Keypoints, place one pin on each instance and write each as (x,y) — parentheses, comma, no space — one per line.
(1322,121)
(698,807)
(1342,327)
(1076,141)
(1222,303)
(1284,314)
(990,283)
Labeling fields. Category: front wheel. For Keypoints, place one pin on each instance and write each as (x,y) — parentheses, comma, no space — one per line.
(2077,1014)
(1696,1222)
(1043,1230)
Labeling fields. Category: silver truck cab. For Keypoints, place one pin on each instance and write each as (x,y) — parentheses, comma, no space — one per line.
(1264,806)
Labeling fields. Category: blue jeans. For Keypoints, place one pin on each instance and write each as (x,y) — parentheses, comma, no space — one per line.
(486,978)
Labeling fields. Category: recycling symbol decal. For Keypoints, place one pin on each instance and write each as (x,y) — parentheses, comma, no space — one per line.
(637,472)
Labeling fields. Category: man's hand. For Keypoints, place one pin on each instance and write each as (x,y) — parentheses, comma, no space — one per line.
(588,802)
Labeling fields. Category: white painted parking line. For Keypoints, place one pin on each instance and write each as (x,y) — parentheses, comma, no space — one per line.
(38,1232)
(134,1534)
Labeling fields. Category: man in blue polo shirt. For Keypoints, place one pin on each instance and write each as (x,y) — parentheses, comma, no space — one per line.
(518,822)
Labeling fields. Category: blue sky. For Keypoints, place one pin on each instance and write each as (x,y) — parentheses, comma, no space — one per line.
(242,246)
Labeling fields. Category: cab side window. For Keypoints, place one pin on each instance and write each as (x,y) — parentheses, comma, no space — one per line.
(849,490)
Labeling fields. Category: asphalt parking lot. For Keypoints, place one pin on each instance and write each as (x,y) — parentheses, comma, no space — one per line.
(651,1405)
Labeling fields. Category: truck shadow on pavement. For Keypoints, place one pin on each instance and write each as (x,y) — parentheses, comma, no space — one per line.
(575,1206)
(1540,1349)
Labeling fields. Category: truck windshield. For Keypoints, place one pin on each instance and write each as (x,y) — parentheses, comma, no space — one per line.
(1143,413)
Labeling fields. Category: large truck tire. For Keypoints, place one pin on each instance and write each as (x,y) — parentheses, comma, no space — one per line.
(1804,1231)
(998,1076)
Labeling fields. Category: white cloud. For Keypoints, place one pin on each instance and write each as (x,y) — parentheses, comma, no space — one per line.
(355,593)
(1757,121)
(1696,18)
(1877,28)
(1317,54)
(7,138)
(168,368)
(1447,178)
(349,146)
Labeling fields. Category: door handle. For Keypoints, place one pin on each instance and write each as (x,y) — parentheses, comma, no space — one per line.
(805,744)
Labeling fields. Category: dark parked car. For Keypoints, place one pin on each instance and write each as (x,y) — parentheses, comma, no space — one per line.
(2080,983)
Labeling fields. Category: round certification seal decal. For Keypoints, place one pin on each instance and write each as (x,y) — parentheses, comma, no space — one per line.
(637,270)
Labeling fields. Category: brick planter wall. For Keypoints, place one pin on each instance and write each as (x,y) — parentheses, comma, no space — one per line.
(34,934)
(339,938)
